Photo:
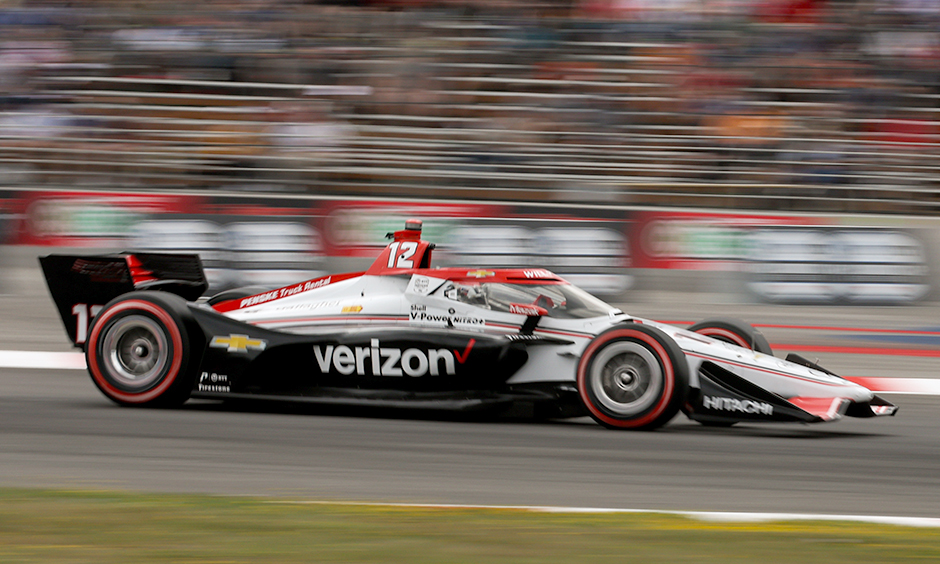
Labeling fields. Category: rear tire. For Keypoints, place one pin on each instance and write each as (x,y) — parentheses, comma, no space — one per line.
(138,350)
(734,331)
(633,377)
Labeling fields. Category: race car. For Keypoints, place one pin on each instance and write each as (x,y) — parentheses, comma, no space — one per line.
(404,334)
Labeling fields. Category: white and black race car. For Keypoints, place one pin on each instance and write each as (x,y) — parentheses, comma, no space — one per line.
(404,334)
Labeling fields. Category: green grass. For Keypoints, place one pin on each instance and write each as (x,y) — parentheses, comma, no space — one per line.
(102,527)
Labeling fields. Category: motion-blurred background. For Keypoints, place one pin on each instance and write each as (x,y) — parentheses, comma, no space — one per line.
(778,150)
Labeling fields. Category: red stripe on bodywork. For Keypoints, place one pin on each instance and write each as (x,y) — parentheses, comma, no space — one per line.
(284,292)
(512,327)
(824,408)
(342,319)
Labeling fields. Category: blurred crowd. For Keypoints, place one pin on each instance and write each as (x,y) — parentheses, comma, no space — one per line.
(809,104)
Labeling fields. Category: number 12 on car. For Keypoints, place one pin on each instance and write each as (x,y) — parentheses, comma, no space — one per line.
(400,257)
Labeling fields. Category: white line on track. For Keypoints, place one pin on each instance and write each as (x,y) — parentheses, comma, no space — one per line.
(76,361)
(42,360)
(914,386)
(710,516)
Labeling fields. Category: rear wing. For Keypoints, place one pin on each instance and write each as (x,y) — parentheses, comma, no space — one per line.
(82,285)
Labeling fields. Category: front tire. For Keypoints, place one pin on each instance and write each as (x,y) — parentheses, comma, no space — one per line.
(138,350)
(734,331)
(738,333)
(633,377)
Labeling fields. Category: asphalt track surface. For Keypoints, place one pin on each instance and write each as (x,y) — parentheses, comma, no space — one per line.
(57,430)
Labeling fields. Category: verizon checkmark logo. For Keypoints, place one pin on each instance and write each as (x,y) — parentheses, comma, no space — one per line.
(462,357)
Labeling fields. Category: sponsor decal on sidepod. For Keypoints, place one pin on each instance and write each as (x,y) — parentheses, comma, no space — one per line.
(238,343)
(481,273)
(284,292)
(376,360)
(213,382)
(523,309)
(447,319)
(730,404)
(422,285)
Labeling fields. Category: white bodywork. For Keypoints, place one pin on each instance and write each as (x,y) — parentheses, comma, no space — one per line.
(417,301)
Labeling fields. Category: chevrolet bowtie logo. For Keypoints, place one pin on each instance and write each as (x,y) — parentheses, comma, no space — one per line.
(238,343)
(481,273)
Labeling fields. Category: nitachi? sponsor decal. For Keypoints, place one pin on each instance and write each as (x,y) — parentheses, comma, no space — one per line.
(376,360)
(742,406)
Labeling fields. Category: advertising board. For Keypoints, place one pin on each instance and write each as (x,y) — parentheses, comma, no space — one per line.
(274,241)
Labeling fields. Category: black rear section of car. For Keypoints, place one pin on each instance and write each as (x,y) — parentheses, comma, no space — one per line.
(81,285)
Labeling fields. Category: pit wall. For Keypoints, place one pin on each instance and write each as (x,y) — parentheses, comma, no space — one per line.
(612,252)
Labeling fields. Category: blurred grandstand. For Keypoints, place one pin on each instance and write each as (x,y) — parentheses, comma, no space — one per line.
(746,104)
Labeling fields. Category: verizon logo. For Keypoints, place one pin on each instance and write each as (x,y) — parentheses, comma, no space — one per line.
(376,360)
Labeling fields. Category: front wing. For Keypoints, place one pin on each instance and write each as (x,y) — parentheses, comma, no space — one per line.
(725,397)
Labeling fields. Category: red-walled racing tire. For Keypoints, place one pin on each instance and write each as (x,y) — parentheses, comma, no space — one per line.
(138,351)
(736,332)
(633,377)
(733,331)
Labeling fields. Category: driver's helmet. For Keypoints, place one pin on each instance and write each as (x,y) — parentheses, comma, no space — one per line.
(469,294)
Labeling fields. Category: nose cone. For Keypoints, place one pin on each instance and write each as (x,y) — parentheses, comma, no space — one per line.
(858,393)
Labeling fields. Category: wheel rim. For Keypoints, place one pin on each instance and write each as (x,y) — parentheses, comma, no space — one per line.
(626,378)
(136,352)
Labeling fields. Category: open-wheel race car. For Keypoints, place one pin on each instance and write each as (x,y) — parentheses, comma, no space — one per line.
(404,334)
